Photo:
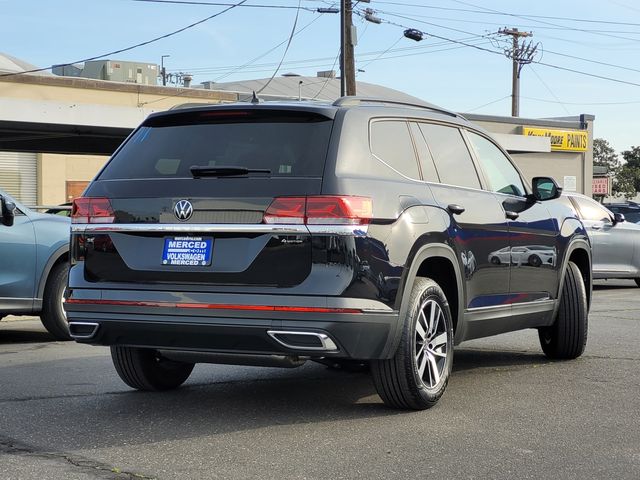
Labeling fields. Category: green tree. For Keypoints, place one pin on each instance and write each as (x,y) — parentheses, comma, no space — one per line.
(605,156)
(626,181)
(628,178)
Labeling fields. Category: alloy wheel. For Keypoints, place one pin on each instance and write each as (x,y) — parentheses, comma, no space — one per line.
(431,339)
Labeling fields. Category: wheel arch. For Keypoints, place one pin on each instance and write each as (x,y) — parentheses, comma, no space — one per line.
(59,256)
(579,252)
(438,262)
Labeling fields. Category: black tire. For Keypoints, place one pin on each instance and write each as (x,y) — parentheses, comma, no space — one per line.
(53,316)
(145,369)
(637,281)
(567,337)
(495,260)
(534,260)
(398,380)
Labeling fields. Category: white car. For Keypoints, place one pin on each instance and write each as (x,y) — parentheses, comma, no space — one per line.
(532,255)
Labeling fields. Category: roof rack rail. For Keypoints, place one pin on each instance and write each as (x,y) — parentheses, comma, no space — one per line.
(353,101)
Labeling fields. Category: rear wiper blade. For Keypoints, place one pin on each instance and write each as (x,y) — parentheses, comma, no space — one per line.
(199,171)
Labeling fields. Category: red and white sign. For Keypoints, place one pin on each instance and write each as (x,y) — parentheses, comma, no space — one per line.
(600,186)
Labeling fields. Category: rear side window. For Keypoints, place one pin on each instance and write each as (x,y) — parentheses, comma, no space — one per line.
(288,144)
(391,143)
(450,155)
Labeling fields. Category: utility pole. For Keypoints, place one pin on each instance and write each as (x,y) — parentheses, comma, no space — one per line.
(520,55)
(347,60)
(163,71)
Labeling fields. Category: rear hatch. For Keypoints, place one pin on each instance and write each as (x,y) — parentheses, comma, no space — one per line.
(183,201)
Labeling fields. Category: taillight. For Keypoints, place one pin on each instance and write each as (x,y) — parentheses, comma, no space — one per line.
(320,210)
(92,210)
(331,210)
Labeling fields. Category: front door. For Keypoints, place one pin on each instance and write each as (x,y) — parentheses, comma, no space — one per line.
(533,234)
(18,258)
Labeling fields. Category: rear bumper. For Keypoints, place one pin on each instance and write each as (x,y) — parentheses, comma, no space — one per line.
(358,329)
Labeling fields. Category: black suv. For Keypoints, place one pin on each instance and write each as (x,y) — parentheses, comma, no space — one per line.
(359,231)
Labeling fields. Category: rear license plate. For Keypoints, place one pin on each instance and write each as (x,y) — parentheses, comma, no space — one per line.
(187,251)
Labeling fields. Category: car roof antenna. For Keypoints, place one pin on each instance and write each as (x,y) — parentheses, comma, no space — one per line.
(255,98)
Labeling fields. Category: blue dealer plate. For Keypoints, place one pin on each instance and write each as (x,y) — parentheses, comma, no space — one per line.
(187,251)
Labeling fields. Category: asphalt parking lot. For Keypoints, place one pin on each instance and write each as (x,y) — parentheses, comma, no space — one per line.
(508,413)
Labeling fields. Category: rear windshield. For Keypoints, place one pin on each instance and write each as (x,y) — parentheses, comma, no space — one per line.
(288,144)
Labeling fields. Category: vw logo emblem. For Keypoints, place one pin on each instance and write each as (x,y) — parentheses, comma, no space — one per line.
(183,210)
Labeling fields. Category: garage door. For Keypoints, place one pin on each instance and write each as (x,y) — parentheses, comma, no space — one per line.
(18,176)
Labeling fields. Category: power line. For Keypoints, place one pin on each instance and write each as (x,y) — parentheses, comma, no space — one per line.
(546,100)
(538,27)
(293,31)
(221,4)
(557,67)
(593,61)
(507,14)
(312,62)
(369,62)
(487,104)
(250,62)
(548,23)
(167,35)
(549,90)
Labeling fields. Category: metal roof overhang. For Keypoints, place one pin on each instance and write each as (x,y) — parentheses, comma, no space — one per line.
(69,128)
(60,138)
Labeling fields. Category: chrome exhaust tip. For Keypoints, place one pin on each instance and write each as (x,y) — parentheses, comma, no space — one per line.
(300,340)
(83,330)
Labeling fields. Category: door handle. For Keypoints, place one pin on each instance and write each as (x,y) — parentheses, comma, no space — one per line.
(511,215)
(596,227)
(455,209)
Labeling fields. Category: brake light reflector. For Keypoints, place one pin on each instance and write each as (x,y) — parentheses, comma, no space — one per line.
(92,210)
(320,210)
(286,210)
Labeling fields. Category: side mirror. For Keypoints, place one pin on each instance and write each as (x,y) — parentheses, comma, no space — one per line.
(618,218)
(545,188)
(8,214)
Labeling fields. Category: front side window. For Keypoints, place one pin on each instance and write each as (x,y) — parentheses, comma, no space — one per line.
(450,155)
(500,172)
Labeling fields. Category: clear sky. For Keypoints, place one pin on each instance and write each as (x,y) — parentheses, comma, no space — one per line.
(243,44)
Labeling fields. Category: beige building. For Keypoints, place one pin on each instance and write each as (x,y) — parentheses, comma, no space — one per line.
(561,148)
(45,120)
(57,132)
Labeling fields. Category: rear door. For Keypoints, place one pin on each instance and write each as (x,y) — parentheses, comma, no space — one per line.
(479,228)
(172,227)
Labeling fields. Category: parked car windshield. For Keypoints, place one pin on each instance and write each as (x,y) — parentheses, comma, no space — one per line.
(287,144)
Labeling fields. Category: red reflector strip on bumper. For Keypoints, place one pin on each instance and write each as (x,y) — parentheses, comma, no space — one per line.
(212,306)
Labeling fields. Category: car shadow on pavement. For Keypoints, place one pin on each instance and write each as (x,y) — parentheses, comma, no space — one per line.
(204,406)
(474,359)
(18,334)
